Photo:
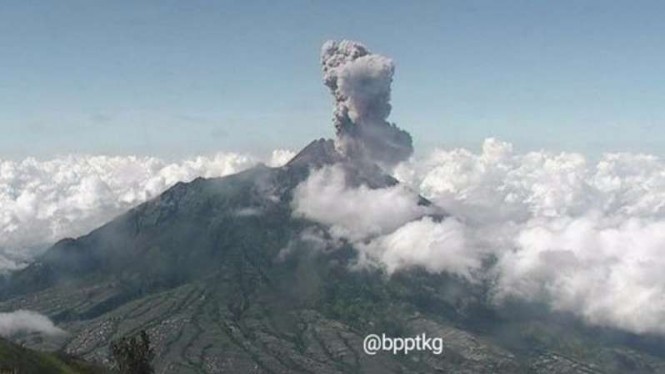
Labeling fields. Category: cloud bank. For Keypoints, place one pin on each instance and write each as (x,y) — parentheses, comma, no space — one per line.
(354,213)
(582,236)
(44,201)
(25,321)
(586,237)
(388,225)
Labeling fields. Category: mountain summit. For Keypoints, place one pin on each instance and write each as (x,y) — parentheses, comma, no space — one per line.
(318,153)
(225,278)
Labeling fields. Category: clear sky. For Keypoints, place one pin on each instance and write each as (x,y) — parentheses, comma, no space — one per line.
(171,78)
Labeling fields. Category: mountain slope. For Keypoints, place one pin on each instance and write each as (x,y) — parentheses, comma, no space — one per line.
(225,279)
(23,360)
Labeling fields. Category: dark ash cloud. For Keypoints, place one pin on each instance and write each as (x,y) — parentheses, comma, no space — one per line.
(360,84)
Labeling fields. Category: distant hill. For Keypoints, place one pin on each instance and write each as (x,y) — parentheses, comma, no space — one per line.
(203,269)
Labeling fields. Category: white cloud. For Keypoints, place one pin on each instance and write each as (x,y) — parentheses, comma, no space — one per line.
(609,273)
(280,157)
(25,321)
(386,225)
(585,237)
(44,201)
(354,213)
(435,246)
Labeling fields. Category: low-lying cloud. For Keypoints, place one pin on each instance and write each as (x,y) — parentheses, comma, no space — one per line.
(26,321)
(44,201)
(354,213)
(583,236)
(435,246)
(586,237)
(388,225)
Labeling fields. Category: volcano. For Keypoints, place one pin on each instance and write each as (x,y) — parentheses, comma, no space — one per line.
(225,278)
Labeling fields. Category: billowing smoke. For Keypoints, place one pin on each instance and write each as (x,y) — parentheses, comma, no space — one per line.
(584,237)
(44,201)
(354,213)
(26,321)
(360,84)
(387,225)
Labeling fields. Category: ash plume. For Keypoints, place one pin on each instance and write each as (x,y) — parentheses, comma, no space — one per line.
(360,84)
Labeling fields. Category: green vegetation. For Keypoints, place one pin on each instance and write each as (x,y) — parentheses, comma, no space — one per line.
(23,360)
(133,355)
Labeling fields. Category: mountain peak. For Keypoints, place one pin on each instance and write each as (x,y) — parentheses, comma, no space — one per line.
(318,153)
(224,260)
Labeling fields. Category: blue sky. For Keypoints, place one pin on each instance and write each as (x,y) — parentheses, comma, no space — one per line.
(174,78)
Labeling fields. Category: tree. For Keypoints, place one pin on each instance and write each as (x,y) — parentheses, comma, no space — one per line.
(133,355)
